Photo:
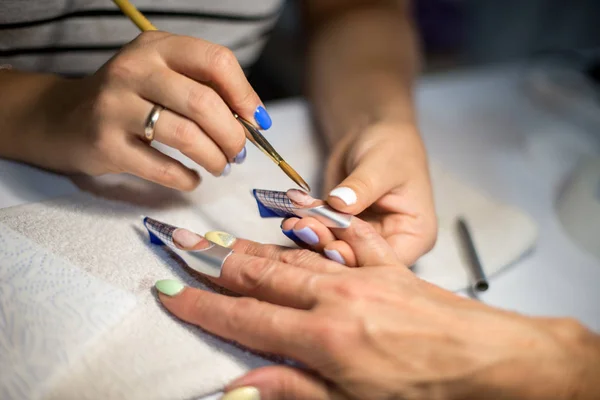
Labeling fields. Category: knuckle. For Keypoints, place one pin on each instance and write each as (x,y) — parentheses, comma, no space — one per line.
(297,256)
(257,274)
(201,100)
(184,134)
(123,68)
(364,231)
(349,290)
(222,59)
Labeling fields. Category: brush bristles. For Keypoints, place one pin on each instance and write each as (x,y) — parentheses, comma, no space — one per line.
(289,171)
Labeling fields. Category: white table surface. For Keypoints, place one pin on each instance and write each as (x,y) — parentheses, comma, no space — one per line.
(482,126)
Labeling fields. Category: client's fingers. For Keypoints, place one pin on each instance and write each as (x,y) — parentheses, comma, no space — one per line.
(252,323)
(297,257)
(313,233)
(269,280)
(369,247)
(281,383)
(340,252)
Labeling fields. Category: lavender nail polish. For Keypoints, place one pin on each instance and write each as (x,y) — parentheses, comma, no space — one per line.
(334,255)
(307,235)
(262,118)
(226,170)
(241,157)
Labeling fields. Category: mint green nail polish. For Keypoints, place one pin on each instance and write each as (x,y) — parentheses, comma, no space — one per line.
(170,287)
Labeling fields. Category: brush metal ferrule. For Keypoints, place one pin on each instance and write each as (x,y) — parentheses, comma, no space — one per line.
(259,140)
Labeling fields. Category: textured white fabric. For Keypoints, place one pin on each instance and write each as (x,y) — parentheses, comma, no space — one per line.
(50,314)
(152,355)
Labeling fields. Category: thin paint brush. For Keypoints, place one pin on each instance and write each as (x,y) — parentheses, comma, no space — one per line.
(251,132)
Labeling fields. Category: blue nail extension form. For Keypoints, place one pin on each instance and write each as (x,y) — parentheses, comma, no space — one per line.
(274,204)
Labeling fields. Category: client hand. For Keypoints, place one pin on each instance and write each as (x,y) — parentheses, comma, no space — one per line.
(379,332)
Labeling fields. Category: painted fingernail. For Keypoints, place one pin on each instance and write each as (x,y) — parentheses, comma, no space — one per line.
(334,255)
(242,393)
(300,197)
(345,194)
(221,238)
(226,170)
(241,157)
(186,239)
(307,235)
(170,287)
(262,118)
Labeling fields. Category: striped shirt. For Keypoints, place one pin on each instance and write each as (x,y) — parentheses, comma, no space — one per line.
(75,37)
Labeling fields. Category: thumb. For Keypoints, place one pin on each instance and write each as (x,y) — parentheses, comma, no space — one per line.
(280,383)
(369,180)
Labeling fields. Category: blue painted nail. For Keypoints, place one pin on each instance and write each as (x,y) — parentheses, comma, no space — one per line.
(241,157)
(290,234)
(334,255)
(307,235)
(226,170)
(262,118)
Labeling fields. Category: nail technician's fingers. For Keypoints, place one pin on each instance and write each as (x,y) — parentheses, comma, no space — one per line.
(150,164)
(365,185)
(198,103)
(369,247)
(180,133)
(250,322)
(340,252)
(269,280)
(282,383)
(217,65)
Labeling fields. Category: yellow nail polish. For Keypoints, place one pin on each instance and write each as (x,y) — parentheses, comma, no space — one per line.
(221,238)
(243,393)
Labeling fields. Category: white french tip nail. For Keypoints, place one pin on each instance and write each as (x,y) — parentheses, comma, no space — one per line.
(345,194)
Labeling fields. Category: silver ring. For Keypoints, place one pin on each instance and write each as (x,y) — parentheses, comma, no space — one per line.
(151,122)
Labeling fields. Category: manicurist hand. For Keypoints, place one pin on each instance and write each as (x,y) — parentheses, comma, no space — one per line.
(379,173)
(377,332)
(96,125)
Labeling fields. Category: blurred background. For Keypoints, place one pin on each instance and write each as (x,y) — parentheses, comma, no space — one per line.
(458,34)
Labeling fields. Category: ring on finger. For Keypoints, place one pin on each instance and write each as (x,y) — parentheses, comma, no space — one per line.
(151,122)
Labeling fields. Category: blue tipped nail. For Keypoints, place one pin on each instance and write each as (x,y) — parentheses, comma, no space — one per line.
(262,118)
(241,157)
(307,235)
(227,170)
(334,255)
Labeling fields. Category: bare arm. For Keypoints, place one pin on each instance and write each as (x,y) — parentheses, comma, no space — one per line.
(21,114)
(363,58)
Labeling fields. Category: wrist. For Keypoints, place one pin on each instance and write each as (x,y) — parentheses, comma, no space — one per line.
(38,120)
(561,362)
(23,112)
